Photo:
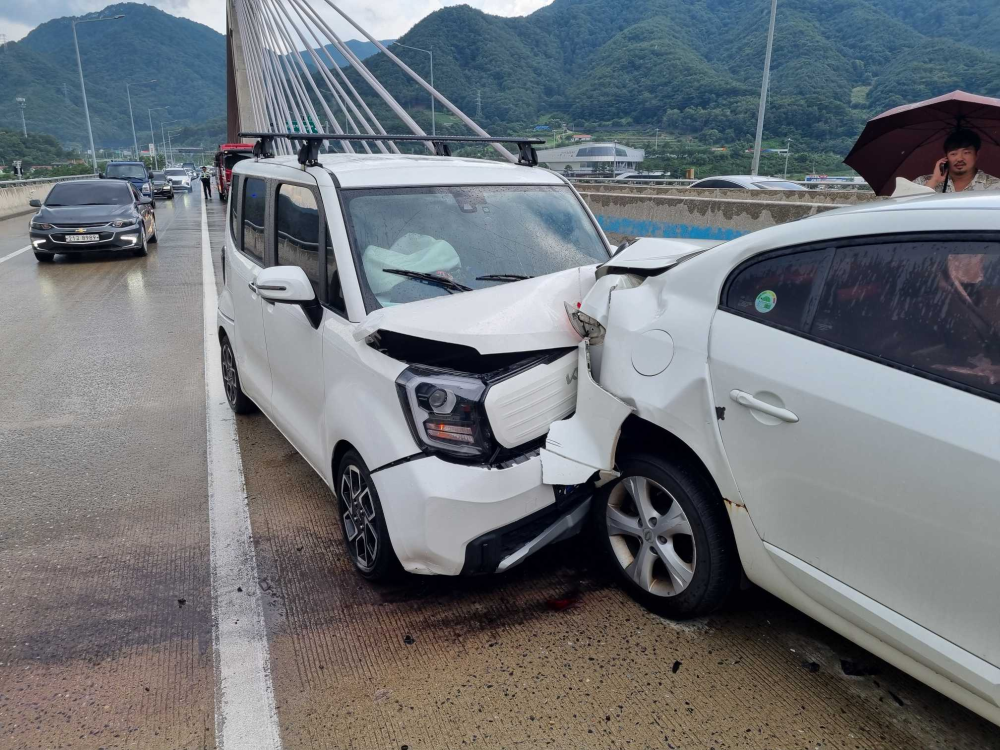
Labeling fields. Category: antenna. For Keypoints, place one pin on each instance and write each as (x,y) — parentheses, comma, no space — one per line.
(479,104)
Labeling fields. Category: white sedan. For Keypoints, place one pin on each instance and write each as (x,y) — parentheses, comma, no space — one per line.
(817,404)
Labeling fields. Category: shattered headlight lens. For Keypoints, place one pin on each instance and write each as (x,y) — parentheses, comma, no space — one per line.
(445,411)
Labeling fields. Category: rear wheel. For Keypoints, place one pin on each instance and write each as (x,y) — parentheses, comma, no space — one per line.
(363,521)
(663,529)
(238,400)
(45,257)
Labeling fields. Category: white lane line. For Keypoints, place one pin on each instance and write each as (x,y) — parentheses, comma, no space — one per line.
(14,254)
(245,714)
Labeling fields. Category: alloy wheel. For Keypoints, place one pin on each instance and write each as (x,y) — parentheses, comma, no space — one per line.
(360,520)
(651,536)
(229,374)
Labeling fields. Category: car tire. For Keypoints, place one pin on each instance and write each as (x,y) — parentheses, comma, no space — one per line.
(362,520)
(238,400)
(45,257)
(689,566)
(152,237)
(143,248)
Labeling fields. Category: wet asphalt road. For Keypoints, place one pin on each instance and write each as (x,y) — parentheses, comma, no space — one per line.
(105,595)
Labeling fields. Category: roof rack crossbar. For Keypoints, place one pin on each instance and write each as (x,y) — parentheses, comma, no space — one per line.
(309,143)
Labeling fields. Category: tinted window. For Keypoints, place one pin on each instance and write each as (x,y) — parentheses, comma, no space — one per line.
(297,225)
(463,234)
(175,172)
(233,204)
(231,158)
(159,176)
(90,193)
(778,185)
(254,204)
(933,306)
(334,291)
(134,171)
(778,289)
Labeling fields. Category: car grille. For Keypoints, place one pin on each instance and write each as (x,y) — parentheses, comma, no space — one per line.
(81,226)
(521,408)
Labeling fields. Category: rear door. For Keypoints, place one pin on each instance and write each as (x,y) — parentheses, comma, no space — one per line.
(863,424)
(248,258)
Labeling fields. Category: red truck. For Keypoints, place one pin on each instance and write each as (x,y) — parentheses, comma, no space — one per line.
(225,158)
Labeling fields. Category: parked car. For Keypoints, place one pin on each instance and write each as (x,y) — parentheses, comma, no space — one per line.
(816,404)
(135,172)
(179,178)
(746,182)
(400,319)
(162,185)
(80,215)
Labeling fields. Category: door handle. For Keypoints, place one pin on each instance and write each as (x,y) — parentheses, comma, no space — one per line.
(745,399)
(253,287)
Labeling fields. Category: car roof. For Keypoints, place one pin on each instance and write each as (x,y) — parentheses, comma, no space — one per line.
(395,170)
(971,200)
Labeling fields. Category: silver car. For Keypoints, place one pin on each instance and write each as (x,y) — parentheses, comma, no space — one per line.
(179,178)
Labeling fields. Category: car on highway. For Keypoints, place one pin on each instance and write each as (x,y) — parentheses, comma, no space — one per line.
(84,215)
(745,182)
(135,172)
(400,319)
(816,406)
(228,155)
(192,170)
(179,178)
(162,185)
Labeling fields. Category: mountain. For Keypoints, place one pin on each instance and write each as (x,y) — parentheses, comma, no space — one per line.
(362,49)
(695,66)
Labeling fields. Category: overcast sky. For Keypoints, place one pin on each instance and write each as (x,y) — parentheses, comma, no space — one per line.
(384,19)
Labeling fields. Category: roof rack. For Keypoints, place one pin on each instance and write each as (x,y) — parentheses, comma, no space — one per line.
(309,143)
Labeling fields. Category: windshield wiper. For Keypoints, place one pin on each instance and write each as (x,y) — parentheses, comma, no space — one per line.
(430,278)
(503,277)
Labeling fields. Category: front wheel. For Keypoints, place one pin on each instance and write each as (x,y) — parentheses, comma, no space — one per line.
(664,530)
(237,399)
(152,235)
(363,521)
(143,247)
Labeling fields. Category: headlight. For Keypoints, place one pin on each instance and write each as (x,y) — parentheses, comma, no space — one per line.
(40,225)
(445,412)
(123,223)
(145,188)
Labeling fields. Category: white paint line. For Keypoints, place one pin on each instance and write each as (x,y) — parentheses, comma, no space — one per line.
(245,714)
(15,254)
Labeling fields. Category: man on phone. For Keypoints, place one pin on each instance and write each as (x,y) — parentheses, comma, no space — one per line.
(957,171)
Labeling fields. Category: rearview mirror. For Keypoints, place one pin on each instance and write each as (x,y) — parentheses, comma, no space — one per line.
(35,203)
(145,200)
(285,284)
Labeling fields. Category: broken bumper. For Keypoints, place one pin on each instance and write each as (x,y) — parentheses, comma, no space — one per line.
(434,510)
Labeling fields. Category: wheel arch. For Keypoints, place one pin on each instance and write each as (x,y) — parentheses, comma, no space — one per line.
(339,451)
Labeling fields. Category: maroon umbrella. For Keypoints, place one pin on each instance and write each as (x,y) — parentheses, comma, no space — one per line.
(905,141)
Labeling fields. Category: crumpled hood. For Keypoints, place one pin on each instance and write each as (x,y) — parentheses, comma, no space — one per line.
(520,316)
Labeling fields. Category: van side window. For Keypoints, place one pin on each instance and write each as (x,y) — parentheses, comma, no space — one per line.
(233,204)
(334,291)
(931,306)
(297,224)
(254,207)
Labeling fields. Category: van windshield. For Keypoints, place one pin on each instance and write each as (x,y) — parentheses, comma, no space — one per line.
(126,171)
(461,234)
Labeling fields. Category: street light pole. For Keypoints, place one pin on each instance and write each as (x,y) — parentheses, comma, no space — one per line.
(763,90)
(433,111)
(152,135)
(20,101)
(135,141)
(163,139)
(788,151)
(83,87)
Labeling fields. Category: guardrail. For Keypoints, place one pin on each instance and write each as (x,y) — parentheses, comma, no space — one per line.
(677,182)
(15,194)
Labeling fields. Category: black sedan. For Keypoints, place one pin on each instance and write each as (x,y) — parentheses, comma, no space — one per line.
(162,186)
(92,215)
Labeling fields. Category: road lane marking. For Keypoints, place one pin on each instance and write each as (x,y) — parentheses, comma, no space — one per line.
(14,254)
(245,714)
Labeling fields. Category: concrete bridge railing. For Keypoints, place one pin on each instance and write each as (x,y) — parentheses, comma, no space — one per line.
(15,194)
(704,214)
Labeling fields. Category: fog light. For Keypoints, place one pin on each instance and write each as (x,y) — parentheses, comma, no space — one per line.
(38,243)
(130,237)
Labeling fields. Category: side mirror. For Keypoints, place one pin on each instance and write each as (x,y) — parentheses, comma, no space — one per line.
(145,200)
(35,203)
(284,284)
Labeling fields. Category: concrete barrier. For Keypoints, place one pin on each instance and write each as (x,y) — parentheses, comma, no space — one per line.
(15,194)
(625,215)
(839,197)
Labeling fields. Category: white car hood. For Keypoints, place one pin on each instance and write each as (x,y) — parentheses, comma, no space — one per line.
(520,316)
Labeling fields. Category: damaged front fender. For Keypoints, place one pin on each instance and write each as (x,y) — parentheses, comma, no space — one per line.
(585,444)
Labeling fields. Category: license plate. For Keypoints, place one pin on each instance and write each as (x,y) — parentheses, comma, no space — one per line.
(82,238)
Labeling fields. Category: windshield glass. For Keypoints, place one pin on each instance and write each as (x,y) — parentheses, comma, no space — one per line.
(131,171)
(462,233)
(176,172)
(778,185)
(233,158)
(159,176)
(90,193)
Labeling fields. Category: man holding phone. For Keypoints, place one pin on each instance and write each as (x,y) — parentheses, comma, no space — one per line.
(957,171)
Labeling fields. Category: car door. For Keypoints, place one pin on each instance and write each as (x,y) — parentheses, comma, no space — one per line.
(246,259)
(294,339)
(862,392)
